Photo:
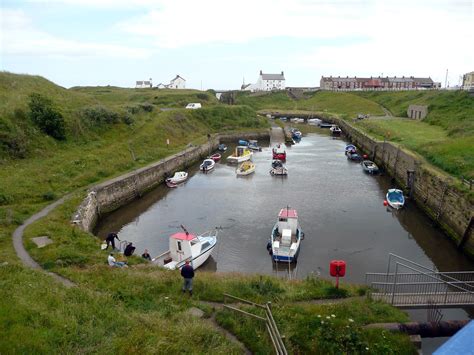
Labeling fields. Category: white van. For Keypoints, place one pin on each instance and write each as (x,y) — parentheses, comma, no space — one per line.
(193,106)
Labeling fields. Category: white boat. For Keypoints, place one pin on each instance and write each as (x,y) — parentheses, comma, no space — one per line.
(370,167)
(278,169)
(285,240)
(177,178)
(395,198)
(186,246)
(314,121)
(335,130)
(246,168)
(240,155)
(253,144)
(207,164)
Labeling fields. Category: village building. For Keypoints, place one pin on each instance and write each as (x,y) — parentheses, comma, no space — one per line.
(266,82)
(143,84)
(468,81)
(377,83)
(177,83)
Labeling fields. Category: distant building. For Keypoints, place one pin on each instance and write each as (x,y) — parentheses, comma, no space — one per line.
(377,83)
(417,112)
(143,84)
(248,87)
(270,82)
(177,83)
(468,81)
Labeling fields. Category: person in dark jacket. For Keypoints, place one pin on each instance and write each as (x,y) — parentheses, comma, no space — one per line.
(187,272)
(111,240)
(146,255)
(129,249)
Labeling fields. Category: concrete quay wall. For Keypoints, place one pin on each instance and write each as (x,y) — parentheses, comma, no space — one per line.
(117,192)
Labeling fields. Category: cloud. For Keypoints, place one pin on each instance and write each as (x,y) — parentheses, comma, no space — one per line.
(19,36)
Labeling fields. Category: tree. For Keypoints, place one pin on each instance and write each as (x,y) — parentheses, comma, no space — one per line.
(44,115)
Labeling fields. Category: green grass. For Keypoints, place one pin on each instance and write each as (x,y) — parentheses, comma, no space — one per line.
(346,105)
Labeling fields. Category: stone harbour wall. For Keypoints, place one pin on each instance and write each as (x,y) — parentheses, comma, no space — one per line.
(434,191)
(115,193)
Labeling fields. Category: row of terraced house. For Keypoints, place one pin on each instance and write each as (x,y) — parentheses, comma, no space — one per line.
(377,83)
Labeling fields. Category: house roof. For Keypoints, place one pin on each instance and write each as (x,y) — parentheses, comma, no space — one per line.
(183,236)
(272,76)
(286,213)
(177,76)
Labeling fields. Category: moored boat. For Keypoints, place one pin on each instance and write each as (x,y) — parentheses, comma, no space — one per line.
(253,144)
(335,130)
(216,157)
(278,169)
(286,237)
(186,246)
(279,152)
(243,142)
(207,165)
(240,155)
(351,153)
(222,147)
(370,167)
(176,179)
(296,134)
(395,198)
(246,168)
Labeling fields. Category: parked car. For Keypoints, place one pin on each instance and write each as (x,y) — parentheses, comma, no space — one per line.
(194,105)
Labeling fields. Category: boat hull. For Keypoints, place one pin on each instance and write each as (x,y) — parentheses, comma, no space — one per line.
(235,160)
(279,156)
(395,203)
(288,254)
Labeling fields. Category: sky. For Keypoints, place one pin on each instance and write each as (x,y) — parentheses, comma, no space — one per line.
(221,44)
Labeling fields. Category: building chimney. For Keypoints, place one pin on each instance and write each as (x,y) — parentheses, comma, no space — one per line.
(282,72)
(260,72)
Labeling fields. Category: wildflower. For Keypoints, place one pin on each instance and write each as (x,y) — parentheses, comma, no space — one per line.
(322,322)
(367,348)
(319,316)
(351,320)
(332,315)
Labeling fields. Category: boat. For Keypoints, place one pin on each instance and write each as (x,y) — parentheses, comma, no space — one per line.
(246,168)
(186,246)
(325,125)
(285,240)
(253,144)
(279,152)
(370,167)
(395,198)
(314,121)
(176,179)
(351,153)
(216,157)
(207,165)
(335,130)
(222,147)
(240,155)
(296,134)
(243,142)
(278,169)
(350,148)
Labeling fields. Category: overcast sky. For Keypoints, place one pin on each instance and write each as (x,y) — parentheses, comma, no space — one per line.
(218,44)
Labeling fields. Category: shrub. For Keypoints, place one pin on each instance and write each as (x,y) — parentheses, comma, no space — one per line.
(46,117)
(49,196)
(202,96)
(128,119)
(147,107)
(99,115)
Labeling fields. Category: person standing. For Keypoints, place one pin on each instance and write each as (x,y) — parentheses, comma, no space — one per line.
(187,272)
(111,240)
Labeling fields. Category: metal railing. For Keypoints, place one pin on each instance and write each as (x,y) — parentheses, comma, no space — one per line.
(421,286)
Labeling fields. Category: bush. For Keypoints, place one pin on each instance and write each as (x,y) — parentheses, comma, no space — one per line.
(46,117)
(128,119)
(49,196)
(202,96)
(99,115)
(147,107)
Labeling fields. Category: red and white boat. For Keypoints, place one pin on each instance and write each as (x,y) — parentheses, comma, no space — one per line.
(176,179)
(216,157)
(279,152)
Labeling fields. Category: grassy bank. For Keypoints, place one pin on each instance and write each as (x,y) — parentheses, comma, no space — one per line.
(139,309)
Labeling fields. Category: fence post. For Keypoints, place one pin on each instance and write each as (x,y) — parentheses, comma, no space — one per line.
(394,283)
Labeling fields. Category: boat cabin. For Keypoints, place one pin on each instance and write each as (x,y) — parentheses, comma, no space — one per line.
(240,151)
(287,220)
(183,246)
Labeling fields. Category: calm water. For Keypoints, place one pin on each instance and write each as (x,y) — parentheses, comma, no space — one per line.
(340,210)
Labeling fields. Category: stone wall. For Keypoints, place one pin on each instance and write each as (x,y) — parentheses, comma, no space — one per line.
(434,191)
(119,191)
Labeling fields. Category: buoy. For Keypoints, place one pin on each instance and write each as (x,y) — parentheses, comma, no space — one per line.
(385,203)
(365,156)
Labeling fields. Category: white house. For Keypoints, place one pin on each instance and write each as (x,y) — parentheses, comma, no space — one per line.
(143,84)
(269,82)
(177,83)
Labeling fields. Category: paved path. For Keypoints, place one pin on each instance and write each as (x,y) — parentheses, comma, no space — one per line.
(20,250)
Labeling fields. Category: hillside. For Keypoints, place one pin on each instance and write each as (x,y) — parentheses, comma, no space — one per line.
(345,105)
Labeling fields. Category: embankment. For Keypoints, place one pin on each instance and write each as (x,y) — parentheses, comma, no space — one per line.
(435,192)
(112,194)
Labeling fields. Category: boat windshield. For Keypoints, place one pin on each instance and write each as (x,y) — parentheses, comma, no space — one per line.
(396,196)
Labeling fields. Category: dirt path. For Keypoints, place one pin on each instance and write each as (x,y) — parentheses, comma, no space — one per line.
(20,250)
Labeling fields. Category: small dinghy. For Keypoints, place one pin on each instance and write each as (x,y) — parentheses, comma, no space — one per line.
(207,165)
(370,167)
(296,134)
(240,155)
(222,147)
(314,121)
(278,169)
(186,246)
(351,153)
(286,237)
(176,179)
(243,142)
(395,198)
(253,144)
(335,130)
(216,157)
(246,168)
(279,152)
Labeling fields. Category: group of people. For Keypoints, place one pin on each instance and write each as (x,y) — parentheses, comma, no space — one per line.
(187,271)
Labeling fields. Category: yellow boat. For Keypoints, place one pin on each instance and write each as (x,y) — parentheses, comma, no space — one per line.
(246,168)
(240,154)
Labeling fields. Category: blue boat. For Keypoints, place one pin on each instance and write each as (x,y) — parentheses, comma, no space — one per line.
(285,240)
(222,147)
(395,198)
(253,144)
(296,134)
(243,142)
